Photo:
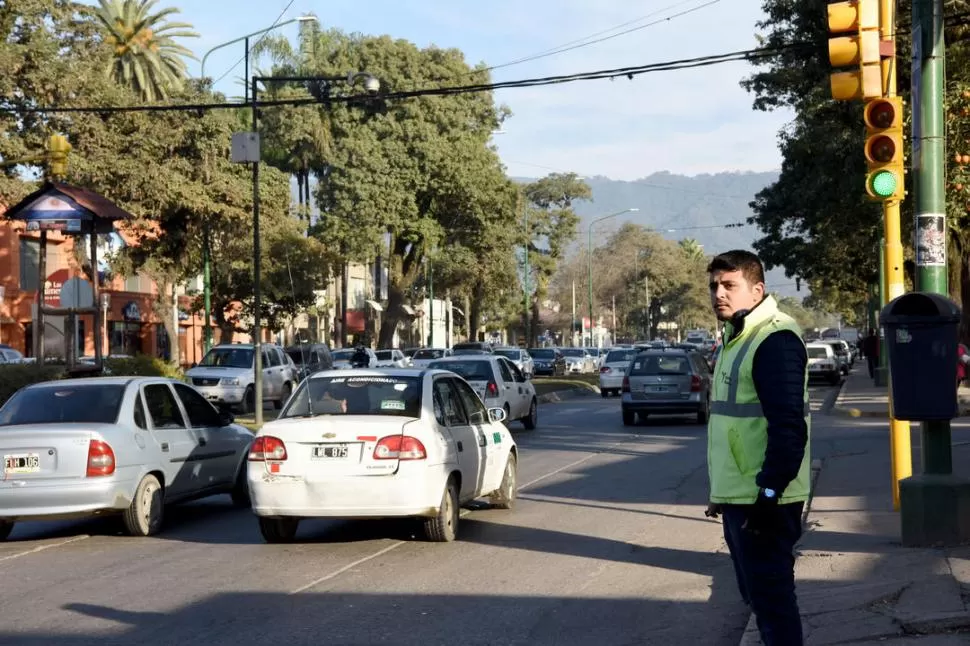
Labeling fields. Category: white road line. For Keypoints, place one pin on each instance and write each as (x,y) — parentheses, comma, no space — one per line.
(559,470)
(360,561)
(41,548)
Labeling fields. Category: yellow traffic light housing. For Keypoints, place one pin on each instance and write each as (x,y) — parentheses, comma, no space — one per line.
(58,149)
(884,149)
(858,46)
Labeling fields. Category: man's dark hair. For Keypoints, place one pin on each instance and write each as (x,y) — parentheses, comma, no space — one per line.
(739,259)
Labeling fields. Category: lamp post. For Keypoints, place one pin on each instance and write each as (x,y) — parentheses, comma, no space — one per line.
(589,261)
(646,290)
(206,242)
(372,86)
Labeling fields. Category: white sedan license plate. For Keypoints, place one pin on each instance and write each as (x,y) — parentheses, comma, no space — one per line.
(337,451)
(657,389)
(21,463)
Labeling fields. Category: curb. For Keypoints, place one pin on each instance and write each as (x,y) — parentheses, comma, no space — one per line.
(568,393)
(840,410)
(750,636)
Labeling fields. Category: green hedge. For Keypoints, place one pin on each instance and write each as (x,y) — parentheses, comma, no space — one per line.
(13,377)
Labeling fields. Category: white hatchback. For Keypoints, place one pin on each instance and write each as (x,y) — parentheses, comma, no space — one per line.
(498,382)
(377,444)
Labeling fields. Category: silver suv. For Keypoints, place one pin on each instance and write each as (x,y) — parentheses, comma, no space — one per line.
(666,382)
(226,376)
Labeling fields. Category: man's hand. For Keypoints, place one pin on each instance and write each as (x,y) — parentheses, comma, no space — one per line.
(762,515)
(713,510)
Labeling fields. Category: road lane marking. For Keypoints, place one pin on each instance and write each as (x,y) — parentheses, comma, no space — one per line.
(360,561)
(559,470)
(41,548)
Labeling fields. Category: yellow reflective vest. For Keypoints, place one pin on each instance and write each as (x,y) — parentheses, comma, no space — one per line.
(737,433)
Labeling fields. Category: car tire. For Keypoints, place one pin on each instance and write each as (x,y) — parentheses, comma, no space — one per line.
(629,418)
(504,496)
(531,420)
(249,401)
(6,526)
(704,414)
(604,392)
(278,530)
(144,515)
(835,379)
(240,490)
(443,528)
(287,389)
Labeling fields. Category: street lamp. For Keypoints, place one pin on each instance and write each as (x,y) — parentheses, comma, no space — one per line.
(252,155)
(589,261)
(206,243)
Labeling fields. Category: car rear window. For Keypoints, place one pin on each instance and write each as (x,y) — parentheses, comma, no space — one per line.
(660,365)
(470,370)
(539,353)
(817,353)
(398,396)
(514,355)
(428,354)
(64,404)
(384,355)
(620,356)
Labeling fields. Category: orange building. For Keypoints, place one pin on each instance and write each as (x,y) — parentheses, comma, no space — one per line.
(132,324)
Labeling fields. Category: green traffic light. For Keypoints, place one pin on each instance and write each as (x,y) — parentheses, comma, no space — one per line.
(884,183)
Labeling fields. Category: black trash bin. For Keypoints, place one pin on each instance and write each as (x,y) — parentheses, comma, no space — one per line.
(922,331)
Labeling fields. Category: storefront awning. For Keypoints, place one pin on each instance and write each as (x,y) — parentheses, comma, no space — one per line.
(375,305)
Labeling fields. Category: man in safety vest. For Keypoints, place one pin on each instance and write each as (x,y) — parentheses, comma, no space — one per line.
(757,448)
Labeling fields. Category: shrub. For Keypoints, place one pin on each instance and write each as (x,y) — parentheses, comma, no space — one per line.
(141,365)
(13,377)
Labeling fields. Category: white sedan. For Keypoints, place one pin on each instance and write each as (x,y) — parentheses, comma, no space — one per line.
(378,444)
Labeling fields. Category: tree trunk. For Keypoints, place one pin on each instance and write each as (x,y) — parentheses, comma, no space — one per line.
(533,333)
(227,329)
(475,315)
(392,316)
(164,307)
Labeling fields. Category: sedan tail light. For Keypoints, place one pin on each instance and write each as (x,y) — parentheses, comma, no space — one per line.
(101,459)
(400,447)
(491,390)
(695,384)
(605,369)
(267,447)
(626,385)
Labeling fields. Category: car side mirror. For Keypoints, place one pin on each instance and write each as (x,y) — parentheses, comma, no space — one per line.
(226,417)
(496,414)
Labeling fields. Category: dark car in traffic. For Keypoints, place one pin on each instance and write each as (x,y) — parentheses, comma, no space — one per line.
(310,358)
(548,361)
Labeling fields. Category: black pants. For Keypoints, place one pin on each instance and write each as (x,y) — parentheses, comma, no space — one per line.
(765,567)
(871,361)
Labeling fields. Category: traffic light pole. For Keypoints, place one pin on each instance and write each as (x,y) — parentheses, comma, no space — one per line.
(932,502)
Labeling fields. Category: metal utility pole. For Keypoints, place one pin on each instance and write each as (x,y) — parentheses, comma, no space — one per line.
(934,502)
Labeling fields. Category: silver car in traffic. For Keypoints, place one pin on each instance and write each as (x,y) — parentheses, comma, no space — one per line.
(115,445)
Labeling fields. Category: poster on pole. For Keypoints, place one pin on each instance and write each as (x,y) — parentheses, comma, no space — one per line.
(931,240)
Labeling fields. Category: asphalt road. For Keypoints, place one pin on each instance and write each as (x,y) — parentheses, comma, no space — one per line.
(608,544)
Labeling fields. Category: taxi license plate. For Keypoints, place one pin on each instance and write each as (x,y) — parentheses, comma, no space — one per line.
(21,463)
(657,389)
(337,451)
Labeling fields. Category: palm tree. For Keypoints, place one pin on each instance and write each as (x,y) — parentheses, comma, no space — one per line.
(146,56)
(693,249)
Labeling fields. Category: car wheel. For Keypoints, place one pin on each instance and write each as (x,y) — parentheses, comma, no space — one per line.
(532,419)
(278,530)
(287,389)
(144,515)
(604,392)
(249,401)
(703,414)
(240,490)
(443,528)
(629,417)
(834,379)
(6,526)
(504,497)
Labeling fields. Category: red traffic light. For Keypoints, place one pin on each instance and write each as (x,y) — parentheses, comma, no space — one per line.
(883,113)
(880,149)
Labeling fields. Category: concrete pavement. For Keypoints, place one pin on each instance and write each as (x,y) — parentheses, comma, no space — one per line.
(856,583)
(861,398)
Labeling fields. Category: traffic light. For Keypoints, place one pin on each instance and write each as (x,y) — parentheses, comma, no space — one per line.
(884,148)
(857,22)
(58,149)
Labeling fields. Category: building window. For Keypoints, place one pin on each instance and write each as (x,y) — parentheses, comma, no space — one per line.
(29,264)
(125,338)
(138,284)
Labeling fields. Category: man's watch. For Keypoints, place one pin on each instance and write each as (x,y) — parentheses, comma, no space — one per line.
(770,494)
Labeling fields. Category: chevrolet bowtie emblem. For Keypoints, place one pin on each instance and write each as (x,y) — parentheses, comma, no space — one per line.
(329,435)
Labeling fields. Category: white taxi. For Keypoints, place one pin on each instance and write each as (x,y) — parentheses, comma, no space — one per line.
(366,443)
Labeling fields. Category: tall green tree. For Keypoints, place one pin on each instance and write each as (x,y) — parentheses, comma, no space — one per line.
(146,53)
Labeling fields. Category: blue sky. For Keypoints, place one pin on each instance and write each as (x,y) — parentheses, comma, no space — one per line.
(691,122)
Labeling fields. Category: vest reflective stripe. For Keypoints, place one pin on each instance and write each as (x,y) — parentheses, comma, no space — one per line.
(738,431)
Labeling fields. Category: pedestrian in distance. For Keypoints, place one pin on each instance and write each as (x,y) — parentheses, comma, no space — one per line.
(871,349)
(963,360)
(758,442)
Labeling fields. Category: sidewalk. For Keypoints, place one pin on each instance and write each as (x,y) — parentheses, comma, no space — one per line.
(856,583)
(860,398)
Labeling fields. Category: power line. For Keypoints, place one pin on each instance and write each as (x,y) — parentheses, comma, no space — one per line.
(629,72)
(582,42)
(275,22)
